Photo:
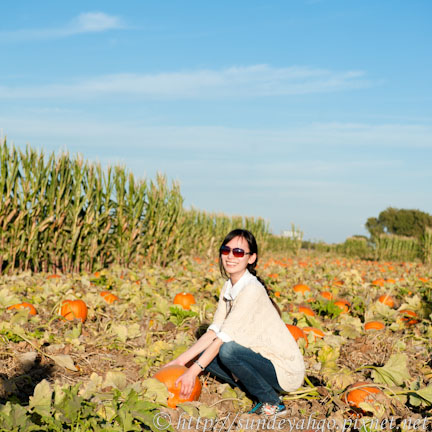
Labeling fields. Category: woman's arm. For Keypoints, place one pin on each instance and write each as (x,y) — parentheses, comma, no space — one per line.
(187,380)
(198,347)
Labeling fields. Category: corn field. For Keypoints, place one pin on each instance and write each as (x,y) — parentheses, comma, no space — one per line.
(426,246)
(290,244)
(393,247)
(65,214)
(356,247)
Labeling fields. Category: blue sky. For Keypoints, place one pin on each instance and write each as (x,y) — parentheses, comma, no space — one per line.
(312,112)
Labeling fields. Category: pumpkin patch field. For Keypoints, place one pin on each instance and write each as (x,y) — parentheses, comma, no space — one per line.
(83,351)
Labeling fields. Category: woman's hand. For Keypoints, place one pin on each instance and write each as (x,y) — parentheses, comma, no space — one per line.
(187,382)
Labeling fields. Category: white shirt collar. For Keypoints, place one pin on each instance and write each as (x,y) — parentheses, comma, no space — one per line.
(233,291)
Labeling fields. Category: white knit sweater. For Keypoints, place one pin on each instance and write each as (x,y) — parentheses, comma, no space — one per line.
(254,323)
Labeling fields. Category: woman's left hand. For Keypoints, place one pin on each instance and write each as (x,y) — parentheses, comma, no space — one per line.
(187,382)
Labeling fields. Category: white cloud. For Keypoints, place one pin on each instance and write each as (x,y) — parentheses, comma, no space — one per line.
(65,127)
(86,22)
(233,82)
(93,22)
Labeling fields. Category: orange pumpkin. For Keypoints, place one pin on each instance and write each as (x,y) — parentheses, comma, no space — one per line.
(185,300)
(168,375)
(32,310)
(326,294)
(297,332)
(343,305)
(387,300)
(306,310)
(277,294)
(378,282)
(410,317)
(374,325)
(317,333)
(365,393)
(301,288)
(73,309)
(109,297)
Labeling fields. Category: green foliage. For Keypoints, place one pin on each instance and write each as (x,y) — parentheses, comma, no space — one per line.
(178,315)
(402,222)
(67,409)
(356,246)
(326,308)
(394,372)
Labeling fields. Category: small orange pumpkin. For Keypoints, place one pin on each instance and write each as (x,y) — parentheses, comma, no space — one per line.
(301,288)
(327,295)
(109,297)
(24,305)
(73,309)
(343,305)
(306,310)
(317,333)
(185,300)
(338,282)
(378,282)
(374,325)
(168,375)
(409,316)
(355,396)
(387,300)
(297,332)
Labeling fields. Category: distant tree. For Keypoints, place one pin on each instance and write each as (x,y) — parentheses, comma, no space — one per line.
(402,222)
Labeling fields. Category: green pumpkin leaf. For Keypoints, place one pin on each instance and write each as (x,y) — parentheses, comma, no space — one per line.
(394,372)
(41,399)
(120,332)
(133,331)
(65,361)
(14,417)
(115,379)
(189,409)
(328,355)
(422,397)
(92,386)
(155,390)
(207,412)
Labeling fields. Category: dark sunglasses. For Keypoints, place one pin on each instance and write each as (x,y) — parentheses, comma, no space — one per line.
(237,252)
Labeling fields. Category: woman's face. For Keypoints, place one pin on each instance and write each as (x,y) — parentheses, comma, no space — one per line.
(234,266)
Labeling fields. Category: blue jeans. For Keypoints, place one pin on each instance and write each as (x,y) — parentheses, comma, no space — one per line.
(255,373)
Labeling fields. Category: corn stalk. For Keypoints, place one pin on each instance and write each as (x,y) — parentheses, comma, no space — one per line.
(426,246)
(393,247)
(64,214)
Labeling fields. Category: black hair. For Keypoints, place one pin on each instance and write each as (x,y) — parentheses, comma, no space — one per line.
(253,249)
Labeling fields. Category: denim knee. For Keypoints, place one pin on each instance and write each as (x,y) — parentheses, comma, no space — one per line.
(227,351)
